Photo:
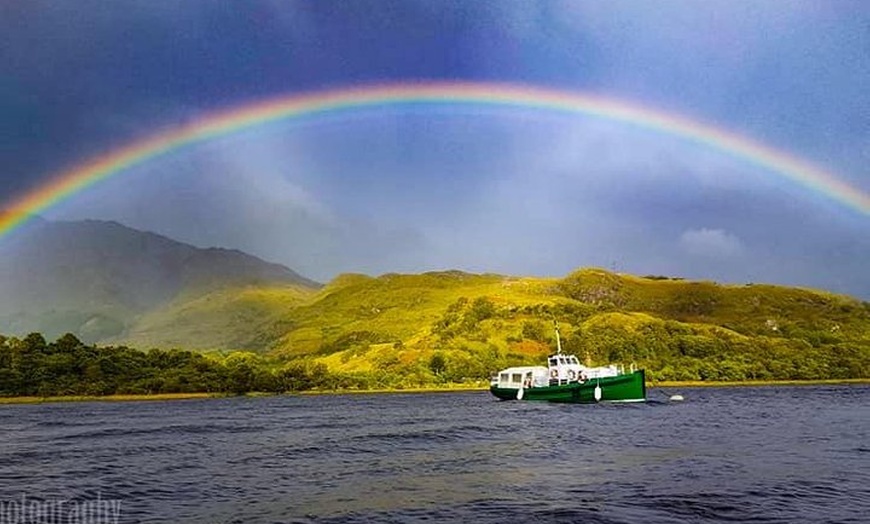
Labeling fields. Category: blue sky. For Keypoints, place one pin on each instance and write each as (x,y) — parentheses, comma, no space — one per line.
(502,190)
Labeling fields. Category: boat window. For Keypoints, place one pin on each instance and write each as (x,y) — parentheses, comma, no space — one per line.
(517,377)
(552,361)
(504,377)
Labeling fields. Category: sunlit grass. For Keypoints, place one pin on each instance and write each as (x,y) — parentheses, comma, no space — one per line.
(390,327)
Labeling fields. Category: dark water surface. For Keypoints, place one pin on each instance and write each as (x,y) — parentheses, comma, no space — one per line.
(783,454)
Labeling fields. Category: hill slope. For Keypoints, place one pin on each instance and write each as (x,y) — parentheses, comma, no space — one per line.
(227,318)
(396,324)
(95,278)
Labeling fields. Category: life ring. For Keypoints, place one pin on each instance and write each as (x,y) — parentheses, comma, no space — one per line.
(582,377)
(554,374)
(571,375)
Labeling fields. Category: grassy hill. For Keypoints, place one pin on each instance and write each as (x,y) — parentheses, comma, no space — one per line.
(226,318)
(394,308)
(454,326)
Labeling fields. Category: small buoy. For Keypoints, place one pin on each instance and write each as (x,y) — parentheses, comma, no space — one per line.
(597,393)
(520,394)
(676,398)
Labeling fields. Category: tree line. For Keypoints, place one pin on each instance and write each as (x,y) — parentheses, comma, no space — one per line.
(463,352)
(31,366)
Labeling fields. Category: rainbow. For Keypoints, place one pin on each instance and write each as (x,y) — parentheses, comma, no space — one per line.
(221,123)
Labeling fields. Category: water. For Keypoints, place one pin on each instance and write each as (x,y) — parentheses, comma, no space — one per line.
(732,454)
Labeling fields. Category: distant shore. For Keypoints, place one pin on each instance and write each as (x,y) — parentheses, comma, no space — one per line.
(755,383)
(457,388)
(252,394)
(107,398)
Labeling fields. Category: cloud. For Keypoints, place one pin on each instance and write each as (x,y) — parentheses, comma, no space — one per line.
(710,243)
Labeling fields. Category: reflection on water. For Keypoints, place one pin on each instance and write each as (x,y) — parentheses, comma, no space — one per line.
(762,454)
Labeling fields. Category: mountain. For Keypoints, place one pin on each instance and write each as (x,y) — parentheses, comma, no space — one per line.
(98,279)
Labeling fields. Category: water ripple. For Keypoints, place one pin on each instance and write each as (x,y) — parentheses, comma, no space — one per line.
(768,455)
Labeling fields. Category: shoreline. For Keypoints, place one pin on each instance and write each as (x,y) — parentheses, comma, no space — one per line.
(462,388)
(251,394)
(756,383)
(108,398)
(418,390)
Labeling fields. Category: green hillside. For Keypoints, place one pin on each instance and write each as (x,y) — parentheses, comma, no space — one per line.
(233,317)
(454,327)
(409,330)
(401,331)
(356,310)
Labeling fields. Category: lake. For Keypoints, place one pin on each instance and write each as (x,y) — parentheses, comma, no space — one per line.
(759,454)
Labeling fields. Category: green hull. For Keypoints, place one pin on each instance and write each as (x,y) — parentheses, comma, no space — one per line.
(630,387)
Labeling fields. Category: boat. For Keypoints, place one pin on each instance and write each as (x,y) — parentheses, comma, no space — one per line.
(565,379)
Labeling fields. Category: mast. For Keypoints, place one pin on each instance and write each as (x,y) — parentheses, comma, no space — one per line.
(558,339)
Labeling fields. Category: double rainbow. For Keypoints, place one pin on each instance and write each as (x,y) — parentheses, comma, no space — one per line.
(68,183)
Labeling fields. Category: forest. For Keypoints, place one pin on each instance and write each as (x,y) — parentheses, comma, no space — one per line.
(33,367)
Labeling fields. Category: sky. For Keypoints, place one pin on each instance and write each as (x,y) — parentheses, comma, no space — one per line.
(485,189)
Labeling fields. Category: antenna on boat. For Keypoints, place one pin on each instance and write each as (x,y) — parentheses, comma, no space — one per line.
(558,338)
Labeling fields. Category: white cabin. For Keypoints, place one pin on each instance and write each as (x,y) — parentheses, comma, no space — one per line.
(521,377)
(561,369)
(564,369)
